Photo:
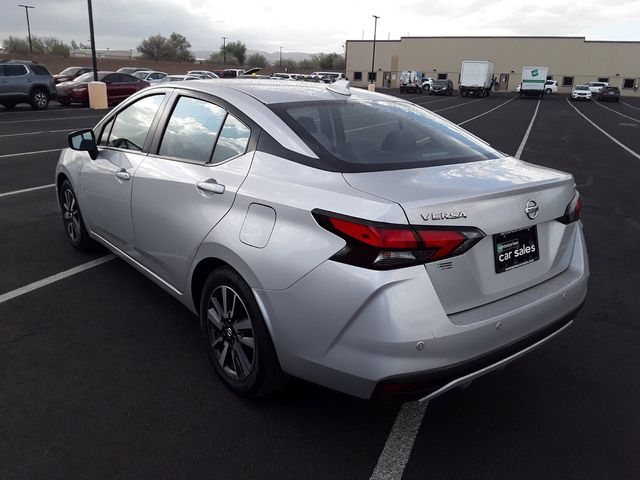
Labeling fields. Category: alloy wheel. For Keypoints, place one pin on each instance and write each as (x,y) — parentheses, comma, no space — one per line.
(231,332)
(40,99)
(71,215)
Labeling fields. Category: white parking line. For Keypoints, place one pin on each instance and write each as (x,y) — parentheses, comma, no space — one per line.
(456,106)
(487,112)
(53,119)
(34,133)
(526,134)
(629,105)
(29,153)
(615,111)
(25,190)
(429,102)
(5,297)
(619,143)
(397,448)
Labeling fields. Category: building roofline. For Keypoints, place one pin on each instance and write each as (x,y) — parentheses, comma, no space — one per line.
(523,37)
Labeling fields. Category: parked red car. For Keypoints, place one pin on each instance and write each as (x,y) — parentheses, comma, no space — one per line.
(119,87)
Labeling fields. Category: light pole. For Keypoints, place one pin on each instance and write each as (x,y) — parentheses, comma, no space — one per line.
(224,50)
(280,58)
(92,37)
(26,10)
(373,55)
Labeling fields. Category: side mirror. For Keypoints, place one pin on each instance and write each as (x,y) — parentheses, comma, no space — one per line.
(84,141)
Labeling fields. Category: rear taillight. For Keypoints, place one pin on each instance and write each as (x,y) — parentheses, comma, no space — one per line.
(383,246)
(573,210)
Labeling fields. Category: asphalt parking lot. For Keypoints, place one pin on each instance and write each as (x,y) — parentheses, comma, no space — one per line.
(102,374)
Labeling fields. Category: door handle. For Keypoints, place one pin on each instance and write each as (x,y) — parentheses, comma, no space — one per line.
(123,174)
(211,186)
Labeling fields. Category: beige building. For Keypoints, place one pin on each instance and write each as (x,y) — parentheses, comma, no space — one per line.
(571,60)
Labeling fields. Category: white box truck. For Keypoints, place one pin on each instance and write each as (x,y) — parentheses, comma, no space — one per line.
(476,78)
(410,81)
(533,80)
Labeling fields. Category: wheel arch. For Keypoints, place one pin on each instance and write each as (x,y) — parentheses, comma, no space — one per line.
(224,258)
(40,86)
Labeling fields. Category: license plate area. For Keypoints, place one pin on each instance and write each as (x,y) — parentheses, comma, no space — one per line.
(515,248)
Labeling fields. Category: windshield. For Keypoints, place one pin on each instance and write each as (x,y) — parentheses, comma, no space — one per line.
(582,87)
(69,71)
(88,77)
(141,75)
(441,82)
(353,135)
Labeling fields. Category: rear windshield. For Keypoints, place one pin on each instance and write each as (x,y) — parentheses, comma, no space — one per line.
(355,136)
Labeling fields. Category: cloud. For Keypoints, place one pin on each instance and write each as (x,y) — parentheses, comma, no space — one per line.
(312,27)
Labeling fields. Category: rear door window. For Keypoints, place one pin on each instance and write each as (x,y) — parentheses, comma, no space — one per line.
(233,140)
(131,126)
(192,130)
(14,70)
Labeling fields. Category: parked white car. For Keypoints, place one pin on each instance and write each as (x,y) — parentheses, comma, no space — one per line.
(595,87)
(150,76)
(551,86)
(285,76)
(206,74)
(581,92)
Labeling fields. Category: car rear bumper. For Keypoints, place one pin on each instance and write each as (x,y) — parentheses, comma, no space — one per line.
(359,331)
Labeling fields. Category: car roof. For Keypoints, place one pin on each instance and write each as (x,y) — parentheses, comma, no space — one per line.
(277,91)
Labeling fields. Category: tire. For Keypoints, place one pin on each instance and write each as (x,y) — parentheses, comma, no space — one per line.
(39,99)
(77,233)
(548,91)
(236,337)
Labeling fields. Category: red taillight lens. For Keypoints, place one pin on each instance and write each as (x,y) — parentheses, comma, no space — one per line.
(381,237)
(573,210)
(443,241)
(384,246)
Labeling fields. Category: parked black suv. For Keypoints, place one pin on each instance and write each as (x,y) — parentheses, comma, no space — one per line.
(609,93)
(22,81)
(441,87)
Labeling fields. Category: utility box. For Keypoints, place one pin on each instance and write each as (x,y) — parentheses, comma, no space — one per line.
(98,95)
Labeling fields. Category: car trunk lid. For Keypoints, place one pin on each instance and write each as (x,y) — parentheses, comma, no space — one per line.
(490,195)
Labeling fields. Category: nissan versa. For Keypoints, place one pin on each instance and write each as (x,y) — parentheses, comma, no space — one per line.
(333,234)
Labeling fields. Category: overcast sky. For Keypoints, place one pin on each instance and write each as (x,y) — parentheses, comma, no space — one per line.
(317,25)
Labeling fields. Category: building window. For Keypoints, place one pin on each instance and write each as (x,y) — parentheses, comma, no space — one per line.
(567,81)
(373,76)
(442,76)
(628,83)
(357,76)
(549,77)
(603,79)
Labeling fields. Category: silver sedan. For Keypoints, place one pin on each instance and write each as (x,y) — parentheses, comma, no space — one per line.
(349,238)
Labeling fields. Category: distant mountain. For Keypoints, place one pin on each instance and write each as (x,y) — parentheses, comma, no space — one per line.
(271,57)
